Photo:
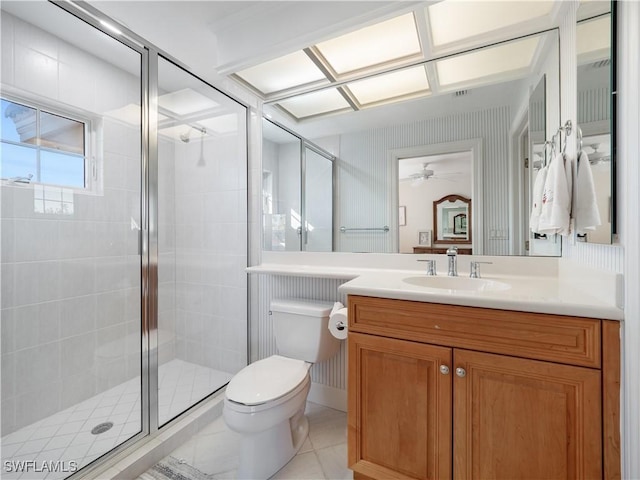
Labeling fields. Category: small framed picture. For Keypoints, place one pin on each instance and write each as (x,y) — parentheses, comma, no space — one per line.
(424,238)
(402,216)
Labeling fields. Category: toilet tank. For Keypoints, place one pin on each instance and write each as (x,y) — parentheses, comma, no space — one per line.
(301,329)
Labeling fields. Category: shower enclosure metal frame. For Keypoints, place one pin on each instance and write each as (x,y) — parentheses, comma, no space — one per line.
(148,233)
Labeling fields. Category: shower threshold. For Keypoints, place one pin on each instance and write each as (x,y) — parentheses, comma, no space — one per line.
(64,441)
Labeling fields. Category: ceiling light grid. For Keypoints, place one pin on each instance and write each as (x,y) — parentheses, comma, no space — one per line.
(390,61)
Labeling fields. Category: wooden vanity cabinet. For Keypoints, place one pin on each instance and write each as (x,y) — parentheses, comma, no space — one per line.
(440,391)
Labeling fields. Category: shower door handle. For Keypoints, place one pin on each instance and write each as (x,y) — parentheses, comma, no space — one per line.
(135,226)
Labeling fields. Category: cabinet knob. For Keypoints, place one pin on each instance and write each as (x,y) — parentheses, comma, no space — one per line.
(444,370)
(461,372)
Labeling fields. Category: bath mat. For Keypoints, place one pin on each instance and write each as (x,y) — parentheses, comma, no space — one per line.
(170,468)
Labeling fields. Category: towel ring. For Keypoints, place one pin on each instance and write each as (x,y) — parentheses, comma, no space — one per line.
(566,128)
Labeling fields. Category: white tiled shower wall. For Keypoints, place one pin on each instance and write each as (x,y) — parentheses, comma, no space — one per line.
(166,251)
(211,250)
(70,283)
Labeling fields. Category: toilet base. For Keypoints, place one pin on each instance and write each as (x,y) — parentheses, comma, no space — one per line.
(264,453)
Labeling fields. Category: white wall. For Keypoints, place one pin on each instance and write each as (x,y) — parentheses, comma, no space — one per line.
(70,283)
(628,181)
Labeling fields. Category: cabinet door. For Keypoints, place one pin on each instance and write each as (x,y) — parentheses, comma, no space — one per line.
(399,409)
(525,419)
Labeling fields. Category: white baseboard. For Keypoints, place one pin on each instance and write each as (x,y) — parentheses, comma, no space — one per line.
(328,396)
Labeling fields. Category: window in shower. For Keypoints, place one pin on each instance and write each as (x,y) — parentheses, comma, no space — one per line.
(43,146)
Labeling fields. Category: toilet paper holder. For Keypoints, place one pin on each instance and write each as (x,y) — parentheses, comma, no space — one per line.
(338,322)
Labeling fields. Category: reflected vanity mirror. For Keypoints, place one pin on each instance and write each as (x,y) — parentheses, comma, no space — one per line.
(451,220)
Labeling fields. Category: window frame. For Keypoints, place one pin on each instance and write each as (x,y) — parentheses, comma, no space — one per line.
(91,125)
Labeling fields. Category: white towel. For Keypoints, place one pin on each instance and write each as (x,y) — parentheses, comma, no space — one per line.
(586,207)
(556,200)
(536,208)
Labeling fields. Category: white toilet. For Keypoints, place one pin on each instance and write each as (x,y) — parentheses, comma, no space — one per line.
(265,401)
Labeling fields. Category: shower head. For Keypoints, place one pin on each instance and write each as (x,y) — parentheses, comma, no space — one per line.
(185,136)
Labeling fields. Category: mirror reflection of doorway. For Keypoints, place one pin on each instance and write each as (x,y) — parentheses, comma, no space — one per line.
(424,179)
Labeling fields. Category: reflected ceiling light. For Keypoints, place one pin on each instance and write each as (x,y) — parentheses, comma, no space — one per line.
(315,103)
(454,20)
(503,60)
(281,73)
(388,41)
(131,114)
(391,85)
(594,36)
(186,102)
(223,124)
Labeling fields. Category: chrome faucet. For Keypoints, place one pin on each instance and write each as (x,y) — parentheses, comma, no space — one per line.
(474,269)
(431,267)
(452,256)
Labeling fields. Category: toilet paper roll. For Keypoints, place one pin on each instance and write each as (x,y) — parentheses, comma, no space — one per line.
(338,322)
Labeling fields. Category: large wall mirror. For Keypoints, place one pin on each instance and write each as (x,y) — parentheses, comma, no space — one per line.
(471,122)
(594,59)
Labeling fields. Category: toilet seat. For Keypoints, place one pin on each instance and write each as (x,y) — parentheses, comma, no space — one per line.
(267,380)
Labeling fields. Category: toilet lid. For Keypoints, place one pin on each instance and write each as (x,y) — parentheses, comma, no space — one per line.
(266,380)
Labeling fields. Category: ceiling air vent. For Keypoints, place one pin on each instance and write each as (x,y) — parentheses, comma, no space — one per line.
(461,93)
(602,63)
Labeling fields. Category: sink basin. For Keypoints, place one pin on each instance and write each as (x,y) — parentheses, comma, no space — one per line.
(457,283)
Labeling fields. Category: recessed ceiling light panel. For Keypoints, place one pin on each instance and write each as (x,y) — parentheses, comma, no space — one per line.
(391,85)
(316,103)
(453,20)
(594,37)
(292,70)
(186,102)
(503,60)
(388,41)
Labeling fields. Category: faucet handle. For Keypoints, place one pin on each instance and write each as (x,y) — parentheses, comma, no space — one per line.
(474,270)
(431,267)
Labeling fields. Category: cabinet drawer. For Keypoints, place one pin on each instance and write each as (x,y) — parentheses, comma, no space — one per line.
(557,338)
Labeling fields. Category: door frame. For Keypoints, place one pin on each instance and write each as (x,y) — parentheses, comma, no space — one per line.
(475,146)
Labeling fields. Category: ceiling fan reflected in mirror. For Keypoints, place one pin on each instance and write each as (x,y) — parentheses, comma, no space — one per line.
(428,174)
(596,156)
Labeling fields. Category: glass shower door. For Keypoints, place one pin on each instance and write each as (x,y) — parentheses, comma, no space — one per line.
(71,185)
(318,198)
(202,240)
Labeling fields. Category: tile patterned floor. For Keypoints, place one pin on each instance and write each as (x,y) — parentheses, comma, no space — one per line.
(214,451)
(66,436)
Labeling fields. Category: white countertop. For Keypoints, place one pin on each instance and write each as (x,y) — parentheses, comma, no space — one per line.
(529,294)
(554,286)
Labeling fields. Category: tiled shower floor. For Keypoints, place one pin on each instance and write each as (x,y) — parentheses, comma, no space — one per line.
(66,436)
